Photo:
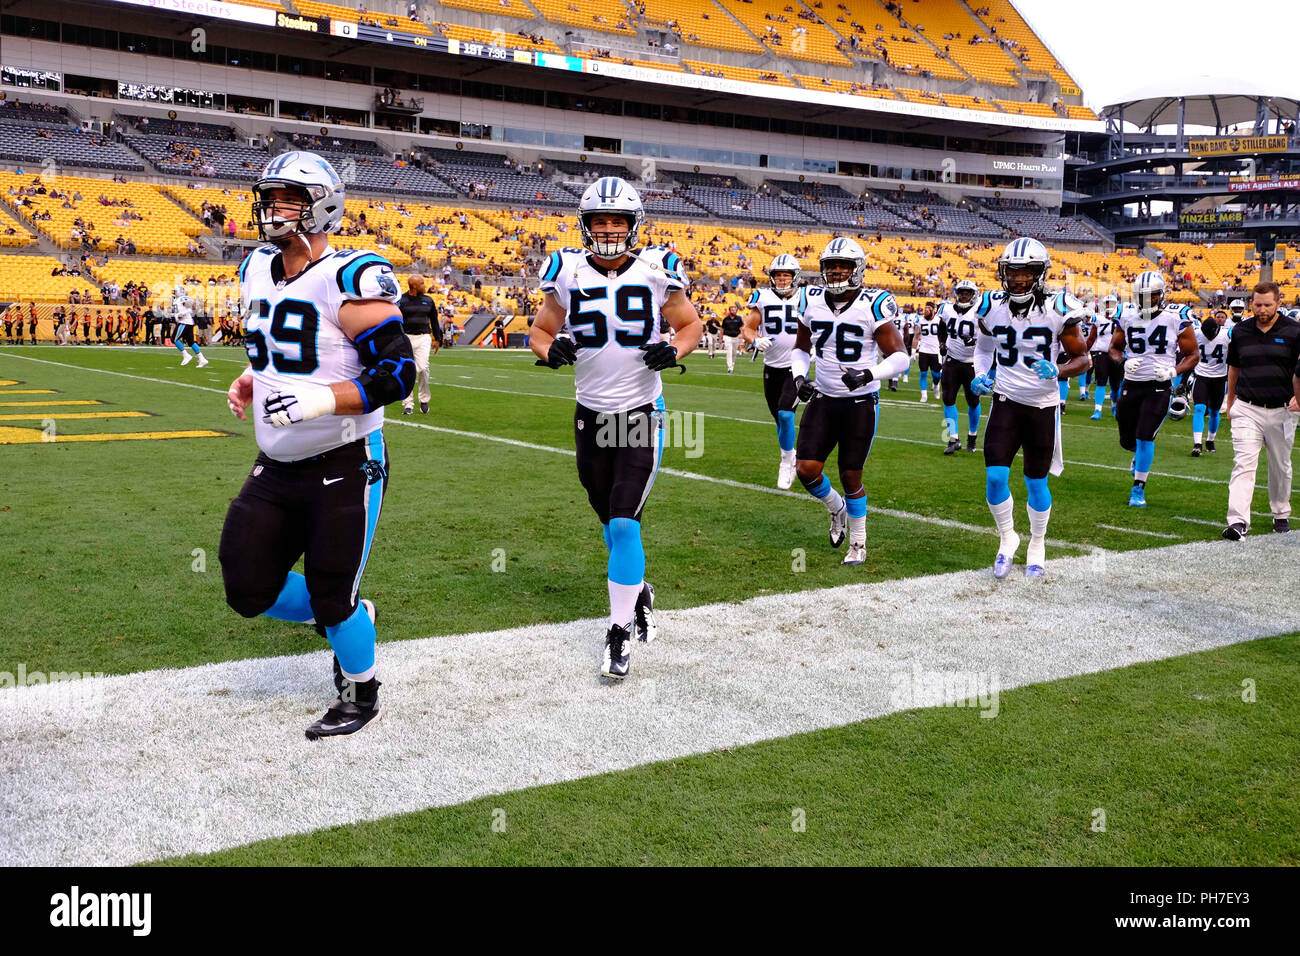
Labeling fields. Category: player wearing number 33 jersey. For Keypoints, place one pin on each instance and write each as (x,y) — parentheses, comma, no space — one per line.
(1022,331)
(326,353)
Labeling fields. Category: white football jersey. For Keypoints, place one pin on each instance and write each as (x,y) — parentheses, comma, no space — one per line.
(1020,341)
(293,336)
(1152,343)
(1214,352)
(929,329)
(181,309)
(1105,325)
(611,314)
(961,328)
(846,339)
(779,319)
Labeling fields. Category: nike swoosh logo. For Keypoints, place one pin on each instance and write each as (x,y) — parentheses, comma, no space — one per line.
(330,481)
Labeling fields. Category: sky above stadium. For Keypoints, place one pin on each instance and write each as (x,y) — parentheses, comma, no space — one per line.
(1115,47)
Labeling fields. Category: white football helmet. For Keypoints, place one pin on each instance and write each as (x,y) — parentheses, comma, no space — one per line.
(1149,293)
(784,263)
(609,194)
(321,189)
(1179,407)
(843,250)
(965,285)
(1021,253)
(1237,309)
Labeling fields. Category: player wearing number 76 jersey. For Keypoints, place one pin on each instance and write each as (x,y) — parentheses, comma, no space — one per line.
(1022,332)
(326,353)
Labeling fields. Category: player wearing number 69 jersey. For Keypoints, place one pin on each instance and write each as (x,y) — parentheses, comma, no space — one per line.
(850,329)
(326,353)
(1022,332)
(772,325)
(609,297)
(1161,344)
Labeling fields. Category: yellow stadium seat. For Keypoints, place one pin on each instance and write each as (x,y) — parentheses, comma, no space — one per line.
(786,34)
(699,22)
(604,16)
(742,73)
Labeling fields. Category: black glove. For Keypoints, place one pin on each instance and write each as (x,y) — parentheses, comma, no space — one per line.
(660,356)
(854,380)
(562,352)
(1185,386)
(805,389)
(968,341)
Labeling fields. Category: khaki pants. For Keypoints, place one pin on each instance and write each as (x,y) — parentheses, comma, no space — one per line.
(420,345)
(1254,427)
(732,343)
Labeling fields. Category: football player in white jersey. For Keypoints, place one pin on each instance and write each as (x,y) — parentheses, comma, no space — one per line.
(771,326)
(857,346)
(609,297)
(326,353)
(957,325)
(1160,346)
(927,344)
(1236,310)
(1022,332)
(1212,338)
(1105,373)
(183,315)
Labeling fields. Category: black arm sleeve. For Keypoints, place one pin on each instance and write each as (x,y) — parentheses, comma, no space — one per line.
(390,364)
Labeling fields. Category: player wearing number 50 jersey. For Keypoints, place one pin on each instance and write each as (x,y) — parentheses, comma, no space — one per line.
(851,331)
(326,353)
(1022,332)
(957,325)
(609,298)
(1161,344)
(772,325)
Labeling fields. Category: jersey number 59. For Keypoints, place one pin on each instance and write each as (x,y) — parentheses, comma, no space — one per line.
(294,323)
(631,305)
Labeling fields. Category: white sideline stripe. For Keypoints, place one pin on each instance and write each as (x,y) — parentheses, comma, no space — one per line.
(1153,534)
(695,476)
(204,758)
(1209,524)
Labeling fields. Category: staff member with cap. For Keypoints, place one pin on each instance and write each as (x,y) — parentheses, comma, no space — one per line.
(1264,406)
(418,311)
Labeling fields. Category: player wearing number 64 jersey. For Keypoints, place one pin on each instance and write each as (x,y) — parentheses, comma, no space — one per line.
(326,353)
(1022,332)
(851,331)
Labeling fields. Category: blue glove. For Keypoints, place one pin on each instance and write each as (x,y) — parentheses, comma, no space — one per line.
(982,385)
(1044,369)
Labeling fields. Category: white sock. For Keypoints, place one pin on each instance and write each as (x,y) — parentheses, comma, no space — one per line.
(833,502)
(622,602)
(1196,438)
(787,457)
(1037,551)
(924,395)
(857,530)
(1211,435)
(1004,518)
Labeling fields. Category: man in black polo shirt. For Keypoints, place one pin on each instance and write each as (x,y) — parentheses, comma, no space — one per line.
(731,326)
(418,311)
(1262,404)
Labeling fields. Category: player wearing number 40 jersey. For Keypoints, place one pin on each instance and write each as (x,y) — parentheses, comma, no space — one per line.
(772,325)
(1161,344)
(957,327)
(857,346)
(326,353)
(609,298)
(1022,333)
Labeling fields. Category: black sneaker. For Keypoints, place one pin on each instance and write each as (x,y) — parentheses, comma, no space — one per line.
(1196,451)
(618,653)
(645,614)
(893,386)
(408,411)
(1234,532)
(1281,526)
(1209,445)
(356,706)
(953,445)
(970,442)
(424,408)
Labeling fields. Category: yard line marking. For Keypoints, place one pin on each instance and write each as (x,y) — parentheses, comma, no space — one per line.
(1153,534)
(1211,524)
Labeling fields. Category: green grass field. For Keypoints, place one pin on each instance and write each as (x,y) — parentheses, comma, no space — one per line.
(111,566)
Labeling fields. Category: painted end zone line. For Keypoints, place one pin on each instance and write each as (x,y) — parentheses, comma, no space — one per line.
(122,769)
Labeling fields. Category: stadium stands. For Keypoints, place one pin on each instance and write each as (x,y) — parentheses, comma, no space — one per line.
(699,22)
(603,16)
(496,8)
(27,278)
(1005,24)
(59,144)
(742,73)
(800,36)
(12,233)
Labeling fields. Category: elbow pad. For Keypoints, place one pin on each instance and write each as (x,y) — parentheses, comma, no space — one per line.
(800,362)
(390,364)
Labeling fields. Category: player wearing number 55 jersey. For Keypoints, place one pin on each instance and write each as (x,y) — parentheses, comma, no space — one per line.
(609,297)
(1160,345)
(1022,332)
(326,353)
(851,331)
(771,325)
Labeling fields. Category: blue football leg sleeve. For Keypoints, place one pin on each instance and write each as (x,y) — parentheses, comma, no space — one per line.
(294,603)
(785,430)
(1198,419)
(1038,496)
(997,487)
(626,555)
(354,645)
(950,416)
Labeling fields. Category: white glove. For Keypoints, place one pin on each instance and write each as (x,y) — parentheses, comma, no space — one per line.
(289,408)
(240,395)
(1164,373)
(1131,366)
(762,343)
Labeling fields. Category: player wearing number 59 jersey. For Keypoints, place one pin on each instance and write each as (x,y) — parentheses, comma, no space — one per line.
(1022,332)
(608,298)
(772,325)
(851,332)
(1161,344)
(326,353)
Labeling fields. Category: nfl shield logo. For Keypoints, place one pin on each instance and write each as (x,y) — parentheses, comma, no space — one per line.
(257,471)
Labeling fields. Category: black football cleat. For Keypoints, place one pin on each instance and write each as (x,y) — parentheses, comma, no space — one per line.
(618,653)
(970,442)
(356,706)
(893,386)
(1196,451)
(1209,445)
(424,408)
(645,626)
(1281,526)
(1234,532)
(953,445)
